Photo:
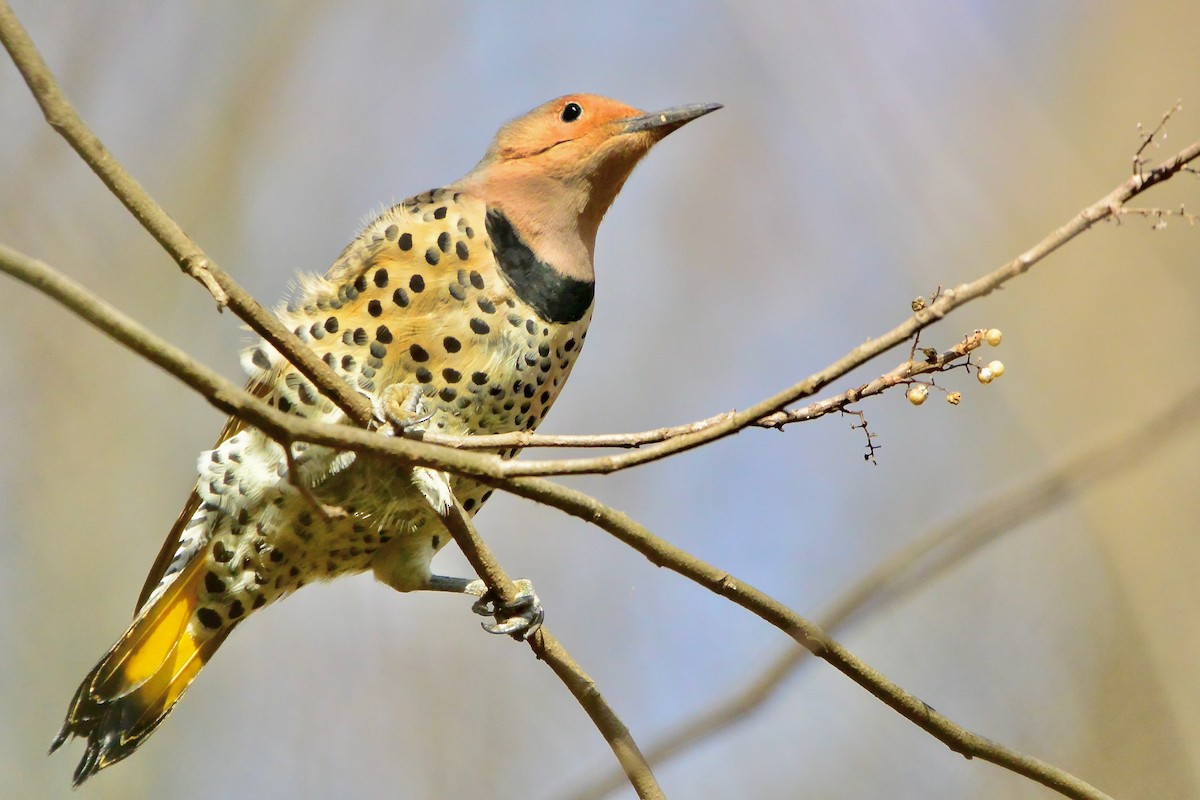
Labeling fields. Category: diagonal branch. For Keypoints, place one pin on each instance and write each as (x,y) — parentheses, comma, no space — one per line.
(904,373)
(233,400)
(1108,206)
(547,648)
(61,116)
(807,634)
(918,565)
(228,397)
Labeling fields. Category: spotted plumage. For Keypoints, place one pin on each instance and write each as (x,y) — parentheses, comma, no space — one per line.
(465,307)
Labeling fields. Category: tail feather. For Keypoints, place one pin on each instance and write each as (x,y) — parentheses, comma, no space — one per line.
(133,688)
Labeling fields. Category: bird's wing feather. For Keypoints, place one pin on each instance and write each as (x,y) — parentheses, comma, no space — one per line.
(167,553)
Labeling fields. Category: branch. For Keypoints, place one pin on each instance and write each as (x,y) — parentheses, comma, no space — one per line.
(61,116)
(929,557)
(547,648)
(1108,206)
(808,635)
(233,400)
(904,373)
(224,395)
(492,470)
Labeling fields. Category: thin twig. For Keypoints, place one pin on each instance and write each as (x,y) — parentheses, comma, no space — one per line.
(807,634)
(1160,215)
(492,471)
(546,647)
(297,481)
(61,116)
(936,362)
(226,396)
(951,299)
(524,439)
(920,563)
(1148,138)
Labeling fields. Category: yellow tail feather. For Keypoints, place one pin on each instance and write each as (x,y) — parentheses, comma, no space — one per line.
(134,687)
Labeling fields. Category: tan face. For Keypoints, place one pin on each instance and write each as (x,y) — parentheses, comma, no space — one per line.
(556,170)
(569,128)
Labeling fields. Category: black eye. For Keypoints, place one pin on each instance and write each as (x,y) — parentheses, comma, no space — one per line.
(571,112)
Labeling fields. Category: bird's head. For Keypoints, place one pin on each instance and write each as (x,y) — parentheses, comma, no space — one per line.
(569,158)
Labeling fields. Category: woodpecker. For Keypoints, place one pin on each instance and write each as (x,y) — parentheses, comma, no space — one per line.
(462,310)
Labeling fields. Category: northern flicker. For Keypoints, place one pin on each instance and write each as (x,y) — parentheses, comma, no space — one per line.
(461,309)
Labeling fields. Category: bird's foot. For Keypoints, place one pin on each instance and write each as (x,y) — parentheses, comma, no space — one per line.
(401,406)
(519,619)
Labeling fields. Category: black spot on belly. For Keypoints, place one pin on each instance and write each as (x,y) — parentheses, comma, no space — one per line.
(213,583)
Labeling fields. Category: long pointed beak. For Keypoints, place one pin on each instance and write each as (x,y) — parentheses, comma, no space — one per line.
(668,119)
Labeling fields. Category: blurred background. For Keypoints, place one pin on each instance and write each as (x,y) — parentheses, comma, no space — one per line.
(867,154)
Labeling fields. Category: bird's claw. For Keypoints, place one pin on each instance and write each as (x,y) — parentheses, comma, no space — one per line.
(401,406)
(519,619)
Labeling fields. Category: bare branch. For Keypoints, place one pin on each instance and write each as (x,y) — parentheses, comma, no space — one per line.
(808,635)
(525,439)
(61,116)
(919,564)
(285,428)
(1149,138)
(1160,215)
(933,362)
(547,648)
(508,475)
(1106,207)
(228,397)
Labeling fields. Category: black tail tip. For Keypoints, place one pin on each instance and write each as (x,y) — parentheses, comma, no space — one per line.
(93,758)
(89,765)
(59,740)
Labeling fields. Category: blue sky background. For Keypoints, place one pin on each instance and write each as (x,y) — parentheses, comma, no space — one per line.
(868,153)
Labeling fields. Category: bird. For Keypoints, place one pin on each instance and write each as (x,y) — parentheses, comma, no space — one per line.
(460,310)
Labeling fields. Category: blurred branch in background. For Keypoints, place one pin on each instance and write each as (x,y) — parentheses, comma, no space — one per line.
(508,476)
(922,562)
